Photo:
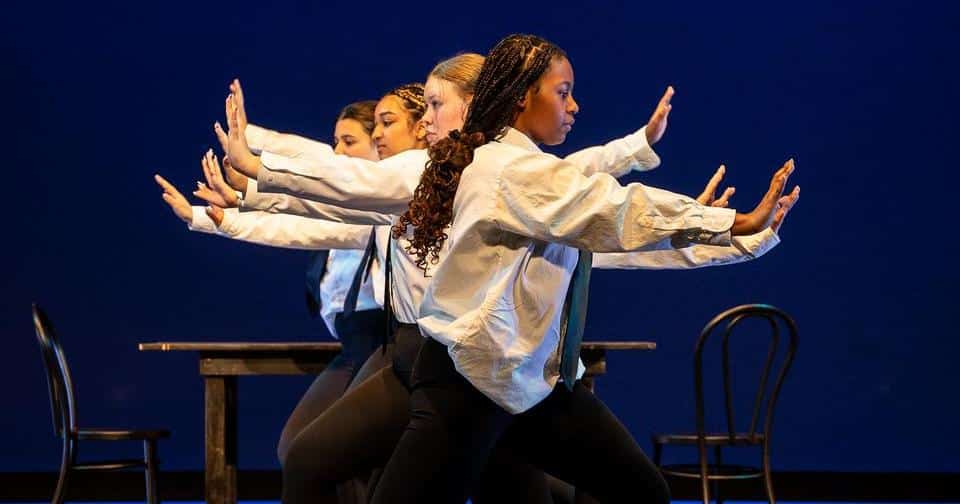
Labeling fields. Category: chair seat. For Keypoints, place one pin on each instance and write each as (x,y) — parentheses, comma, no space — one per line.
(110,465)
(712,438)
(120,435)
(714,471)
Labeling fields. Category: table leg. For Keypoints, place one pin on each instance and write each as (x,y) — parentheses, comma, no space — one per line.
(220,414)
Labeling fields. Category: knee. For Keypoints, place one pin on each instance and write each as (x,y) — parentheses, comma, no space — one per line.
(304,460)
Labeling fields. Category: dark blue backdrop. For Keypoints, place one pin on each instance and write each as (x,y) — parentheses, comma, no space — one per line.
(863,94)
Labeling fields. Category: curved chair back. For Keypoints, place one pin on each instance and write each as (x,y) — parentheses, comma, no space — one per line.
(765,398)
(62,405)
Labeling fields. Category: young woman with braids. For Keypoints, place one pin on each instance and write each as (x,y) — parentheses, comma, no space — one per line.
(344,280)
(509,221)
(365,424)
(447,98)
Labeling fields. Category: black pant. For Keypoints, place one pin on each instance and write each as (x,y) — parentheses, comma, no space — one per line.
(360,334)
(357,434)
(453,429)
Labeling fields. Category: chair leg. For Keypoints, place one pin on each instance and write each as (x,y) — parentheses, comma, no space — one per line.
(67,459)
(716,483)
(704,473)
(150,472)
(768,475)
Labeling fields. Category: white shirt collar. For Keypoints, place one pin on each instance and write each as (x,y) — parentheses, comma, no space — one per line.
(514,137)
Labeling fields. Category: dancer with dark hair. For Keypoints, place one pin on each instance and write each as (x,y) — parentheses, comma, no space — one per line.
(503,313)
(357,426)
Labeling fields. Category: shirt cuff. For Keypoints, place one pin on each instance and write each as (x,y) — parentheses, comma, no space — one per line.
(647,159)
(201,222)
(258,138)
(229,223)
(253,199)
(714,229)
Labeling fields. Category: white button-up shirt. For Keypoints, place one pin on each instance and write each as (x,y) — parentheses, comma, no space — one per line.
(359,191)
(510,295)
(519,217)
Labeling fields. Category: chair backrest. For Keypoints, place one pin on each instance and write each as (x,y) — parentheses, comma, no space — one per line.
(764,399)
(62,405)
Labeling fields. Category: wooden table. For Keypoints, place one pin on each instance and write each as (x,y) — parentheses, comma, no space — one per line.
(222,363)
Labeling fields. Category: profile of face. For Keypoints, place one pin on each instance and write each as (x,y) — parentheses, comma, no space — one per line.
(395,130)
(350,139)
(446,108)
(547,109)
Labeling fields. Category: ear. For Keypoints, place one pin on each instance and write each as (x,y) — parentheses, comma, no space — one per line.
(466,107)
(421,133)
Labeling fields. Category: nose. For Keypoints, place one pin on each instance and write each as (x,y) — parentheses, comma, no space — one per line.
(339,148)
(573,107)
(377,132)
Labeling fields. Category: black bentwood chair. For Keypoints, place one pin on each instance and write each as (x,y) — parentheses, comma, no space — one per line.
(763,405)
(64,408)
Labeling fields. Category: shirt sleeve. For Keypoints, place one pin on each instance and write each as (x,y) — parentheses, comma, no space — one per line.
(543,197)
(665,255)
(618,157)
(293,146)
(279,203)
(385,186)
(290,231)
(201,222)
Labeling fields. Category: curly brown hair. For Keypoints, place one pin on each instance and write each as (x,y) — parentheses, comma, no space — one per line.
(513,66)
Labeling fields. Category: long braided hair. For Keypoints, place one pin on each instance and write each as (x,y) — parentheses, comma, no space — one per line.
(514,65)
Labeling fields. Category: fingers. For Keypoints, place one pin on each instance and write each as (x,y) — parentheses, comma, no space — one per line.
(779,181)
(228,108)
(206,169)
(709,192)
(221,136)
(787,202)
(168,188)
(664,106)
(724,200)
(233,122)
(716,179)
(237,92)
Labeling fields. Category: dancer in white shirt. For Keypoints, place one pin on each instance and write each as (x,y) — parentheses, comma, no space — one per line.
(446,103)
(358,423)
(508,220)
(343,278)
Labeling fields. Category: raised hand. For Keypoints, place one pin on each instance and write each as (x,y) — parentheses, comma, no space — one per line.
(784,205)
(180,206)
(237,149)
(215,191)
(709,194)
(235,179)
(762,216)
(657,125)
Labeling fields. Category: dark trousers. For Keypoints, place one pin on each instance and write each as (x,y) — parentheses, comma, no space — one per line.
(357,435)
(453,429)
(360,334)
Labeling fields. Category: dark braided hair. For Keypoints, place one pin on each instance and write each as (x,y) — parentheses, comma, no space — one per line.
(513,66)
(412,97)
